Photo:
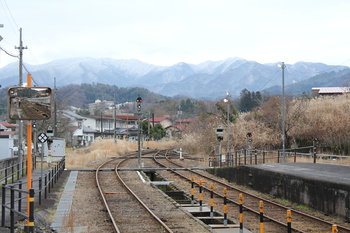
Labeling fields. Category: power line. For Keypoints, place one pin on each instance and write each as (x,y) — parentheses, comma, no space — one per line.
(1,48)
(270,79)
(319,72)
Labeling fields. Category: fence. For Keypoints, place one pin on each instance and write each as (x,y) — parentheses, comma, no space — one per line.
(10,170)
(45,186)
(254,156)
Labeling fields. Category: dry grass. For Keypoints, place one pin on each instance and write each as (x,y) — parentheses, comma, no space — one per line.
(104,148)
(324,118)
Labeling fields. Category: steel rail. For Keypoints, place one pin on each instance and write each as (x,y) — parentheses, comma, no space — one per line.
(115,226)
(139,200)
(342,228)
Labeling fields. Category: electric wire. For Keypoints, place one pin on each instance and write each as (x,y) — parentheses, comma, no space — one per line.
(319,72)
(270,79)
(16,56)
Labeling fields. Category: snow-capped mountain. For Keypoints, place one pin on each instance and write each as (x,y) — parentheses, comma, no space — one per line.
(209,80)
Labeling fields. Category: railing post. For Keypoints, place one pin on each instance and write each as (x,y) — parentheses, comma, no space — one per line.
(6,175)
(49,181)
(3,203)
(314,150)
(12,213)
(45,186)
(245,157)
(20,196)
(13,174)
(40,188)
(256,156)
(264,156)
(235,159)
(278,156)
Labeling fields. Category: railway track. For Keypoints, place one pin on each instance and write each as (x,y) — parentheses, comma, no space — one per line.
(125,209)
(274,213)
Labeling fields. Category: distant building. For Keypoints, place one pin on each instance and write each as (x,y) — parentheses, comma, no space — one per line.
(323,91)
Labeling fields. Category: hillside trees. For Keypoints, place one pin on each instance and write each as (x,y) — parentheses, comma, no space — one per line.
(249,100)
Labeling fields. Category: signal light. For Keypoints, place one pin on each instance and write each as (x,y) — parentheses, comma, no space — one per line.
(139,99)
(249,135)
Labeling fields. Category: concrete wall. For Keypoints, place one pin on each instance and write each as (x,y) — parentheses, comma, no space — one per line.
(329,198)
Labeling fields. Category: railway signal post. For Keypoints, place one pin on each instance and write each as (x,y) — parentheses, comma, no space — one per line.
(139,101)
(220,137)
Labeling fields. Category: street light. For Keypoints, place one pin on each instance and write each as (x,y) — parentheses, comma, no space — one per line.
(283,117)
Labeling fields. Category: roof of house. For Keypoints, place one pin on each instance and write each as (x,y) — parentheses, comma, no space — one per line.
(73,115)
(189,120)
(118,117)
(7,132)
(331,90)
(8,125)
(158,119)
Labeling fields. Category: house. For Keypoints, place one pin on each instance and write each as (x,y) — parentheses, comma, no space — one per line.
(164,121)
(79,134)
(322,91)
(179,126)
(7,139)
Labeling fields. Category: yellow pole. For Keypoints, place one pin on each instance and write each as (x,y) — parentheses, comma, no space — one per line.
(29,155)
(261,207)
(334,229)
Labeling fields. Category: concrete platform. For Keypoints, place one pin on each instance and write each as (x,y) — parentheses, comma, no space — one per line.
(324,187)
(331,173)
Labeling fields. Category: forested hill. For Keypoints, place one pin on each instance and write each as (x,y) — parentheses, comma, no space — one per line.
(81,95)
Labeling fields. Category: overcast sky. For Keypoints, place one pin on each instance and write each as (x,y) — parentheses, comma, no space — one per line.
(165,32)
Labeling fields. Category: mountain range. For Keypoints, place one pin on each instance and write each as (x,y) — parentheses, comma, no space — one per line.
(207,80)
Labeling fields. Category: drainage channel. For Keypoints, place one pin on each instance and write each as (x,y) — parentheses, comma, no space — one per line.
(213,219)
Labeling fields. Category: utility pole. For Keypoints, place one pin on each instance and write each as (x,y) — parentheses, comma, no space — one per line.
(20,123)
(1,26)
(283,118)
(228,121)
(55,108)
(115,120)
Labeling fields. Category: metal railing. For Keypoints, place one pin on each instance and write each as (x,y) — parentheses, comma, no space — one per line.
(16,189)
(10,171)
(255,156)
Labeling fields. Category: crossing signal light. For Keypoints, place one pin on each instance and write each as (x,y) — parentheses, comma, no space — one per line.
(249,135)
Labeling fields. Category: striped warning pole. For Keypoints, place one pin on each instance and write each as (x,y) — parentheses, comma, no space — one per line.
(261,205)
(334,229)
(211,200)
(192,190)
(200,196)
(31,211)
(225,206)
(241,212)
(289,221)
